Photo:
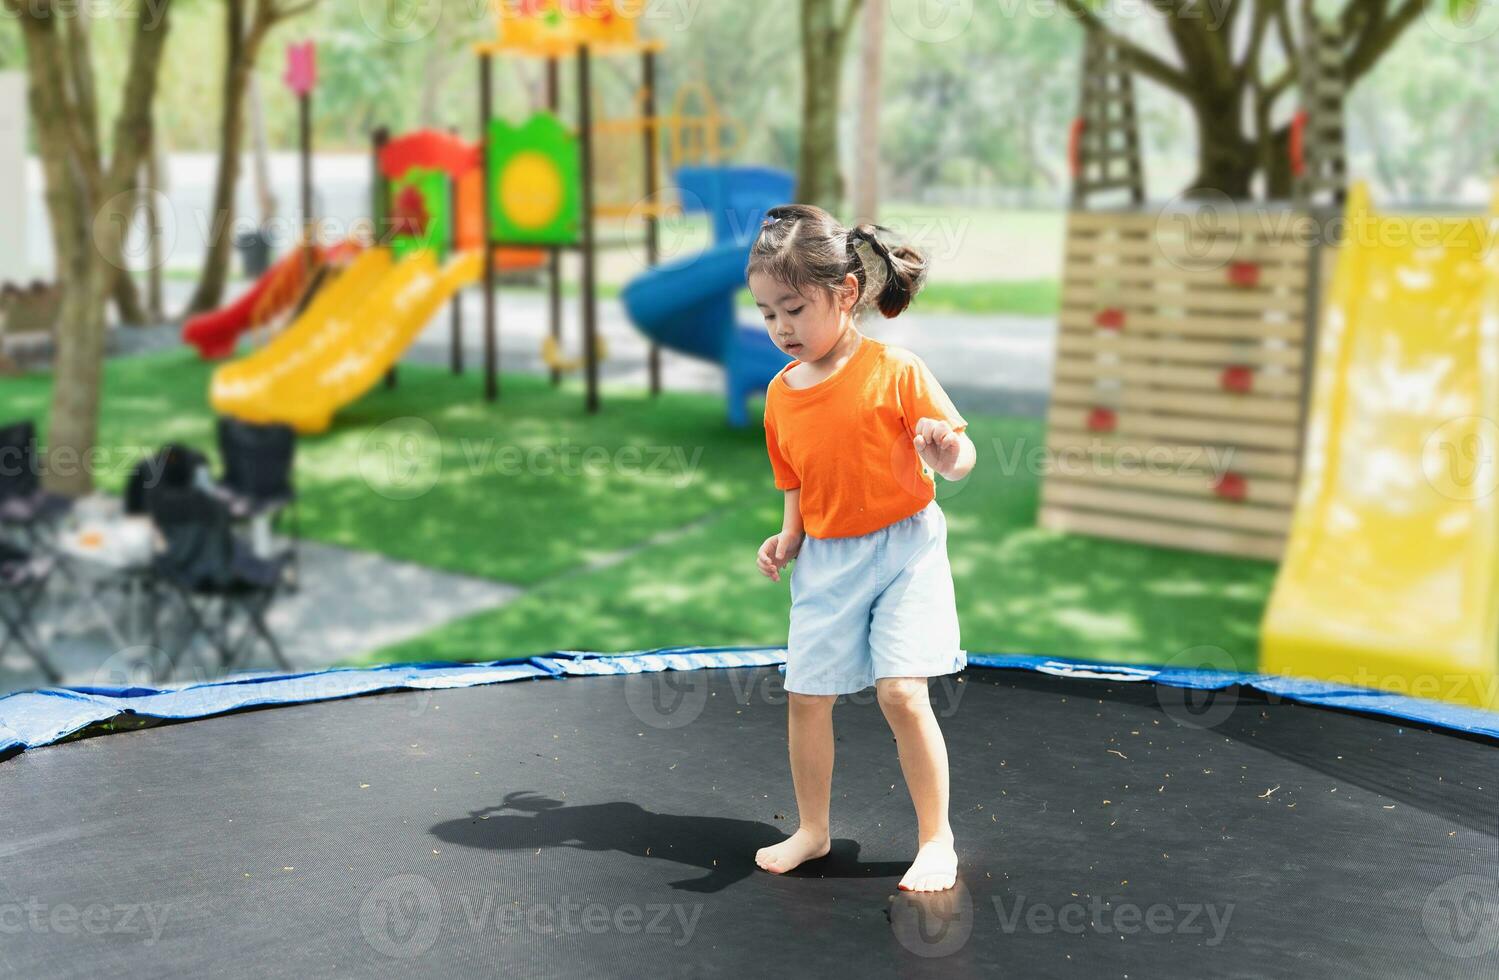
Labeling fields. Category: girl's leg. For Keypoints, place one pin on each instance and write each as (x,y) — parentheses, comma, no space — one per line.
(923,760)
(809,726)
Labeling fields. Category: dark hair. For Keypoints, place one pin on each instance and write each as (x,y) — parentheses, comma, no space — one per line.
(802,245)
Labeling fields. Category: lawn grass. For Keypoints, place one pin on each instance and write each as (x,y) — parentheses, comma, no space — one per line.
(1020,588)
(652,542)
(1023,297)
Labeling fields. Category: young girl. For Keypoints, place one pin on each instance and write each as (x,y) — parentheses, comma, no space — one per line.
(848,425)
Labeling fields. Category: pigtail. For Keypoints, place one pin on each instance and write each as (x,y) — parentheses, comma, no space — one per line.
(905,270)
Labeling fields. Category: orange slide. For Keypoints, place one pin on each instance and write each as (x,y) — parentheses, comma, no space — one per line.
(216,333)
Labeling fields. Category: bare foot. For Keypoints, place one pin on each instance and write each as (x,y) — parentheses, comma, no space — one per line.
(800,847)
(935,868)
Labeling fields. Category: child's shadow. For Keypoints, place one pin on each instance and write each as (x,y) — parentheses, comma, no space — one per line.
(723,847)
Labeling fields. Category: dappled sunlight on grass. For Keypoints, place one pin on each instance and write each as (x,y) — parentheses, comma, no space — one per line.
(508,491)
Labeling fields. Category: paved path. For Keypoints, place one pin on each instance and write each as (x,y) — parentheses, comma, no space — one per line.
(349,603)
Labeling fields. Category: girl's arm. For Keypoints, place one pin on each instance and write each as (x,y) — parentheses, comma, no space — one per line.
(951,454)
(791,522)
(779,549)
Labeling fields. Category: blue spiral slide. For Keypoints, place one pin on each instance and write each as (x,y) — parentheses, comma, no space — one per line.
(688,305)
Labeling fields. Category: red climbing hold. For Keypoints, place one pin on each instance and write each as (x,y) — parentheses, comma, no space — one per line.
(1102,420)
(1110,319)
(1244,274)
(1238,379)
(1232,486)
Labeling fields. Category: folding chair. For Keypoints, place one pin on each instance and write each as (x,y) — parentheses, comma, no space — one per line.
(23,579)
(223,587)
(25,508)
(257,480)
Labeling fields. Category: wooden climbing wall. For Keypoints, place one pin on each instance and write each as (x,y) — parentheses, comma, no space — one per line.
(1180,380)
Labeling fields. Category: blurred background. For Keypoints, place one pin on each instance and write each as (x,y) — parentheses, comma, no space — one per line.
(186,181)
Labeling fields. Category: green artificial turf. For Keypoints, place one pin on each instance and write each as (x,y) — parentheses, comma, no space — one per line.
(1020,589)
(649,540)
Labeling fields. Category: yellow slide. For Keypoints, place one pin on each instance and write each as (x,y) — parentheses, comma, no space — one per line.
(344,343)
(1391,574)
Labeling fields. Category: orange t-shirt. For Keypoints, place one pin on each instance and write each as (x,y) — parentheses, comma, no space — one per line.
(847,440)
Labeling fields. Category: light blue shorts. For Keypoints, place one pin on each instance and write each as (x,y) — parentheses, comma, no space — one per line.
(879,605)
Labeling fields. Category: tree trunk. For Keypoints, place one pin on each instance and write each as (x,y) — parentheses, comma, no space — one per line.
(89,204)
(155,184)
(1226,159)
(872,74)
(239,62)
(825,30)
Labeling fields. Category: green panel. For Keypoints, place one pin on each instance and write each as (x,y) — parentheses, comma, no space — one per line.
(535,182)
(421,206)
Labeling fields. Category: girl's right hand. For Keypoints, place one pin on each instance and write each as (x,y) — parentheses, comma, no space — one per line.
(777,552)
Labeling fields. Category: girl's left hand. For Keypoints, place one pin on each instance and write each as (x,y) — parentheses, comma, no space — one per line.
(938,445)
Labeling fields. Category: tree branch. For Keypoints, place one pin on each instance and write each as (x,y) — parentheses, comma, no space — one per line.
(1145,63)
(135,107)
(1378,36)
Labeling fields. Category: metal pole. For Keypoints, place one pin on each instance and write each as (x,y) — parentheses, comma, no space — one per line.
(652,190)
(590,245)
(491,338)
(554,284)
(455,341)
(379,210)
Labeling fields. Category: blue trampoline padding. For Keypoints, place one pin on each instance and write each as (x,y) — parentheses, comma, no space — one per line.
(34,719)
(1438,714)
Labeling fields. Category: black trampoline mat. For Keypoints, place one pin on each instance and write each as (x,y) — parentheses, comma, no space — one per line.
(606,826)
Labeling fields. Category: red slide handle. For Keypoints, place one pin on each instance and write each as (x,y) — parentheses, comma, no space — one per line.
(1298,143)
(1075,145)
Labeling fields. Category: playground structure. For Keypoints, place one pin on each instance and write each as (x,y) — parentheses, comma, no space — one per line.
(526,194)
(216,334)
(1180,381)
(1217,389)
(533,169)
(1391,579)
